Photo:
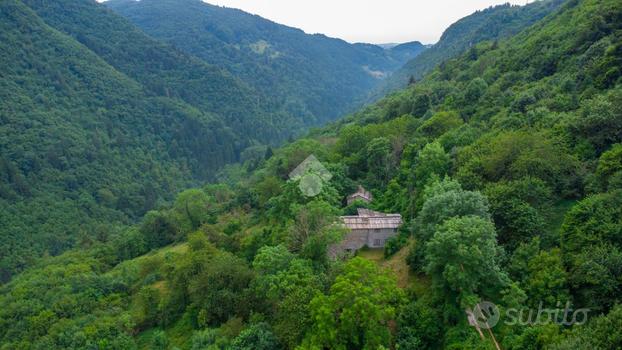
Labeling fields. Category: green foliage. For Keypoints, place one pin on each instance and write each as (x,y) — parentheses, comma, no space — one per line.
(595,220)
(102,123)
(463,259)
(356,311)
(519,209)
(528,125)
(313,230)
(420,325)
(601,121)
(286,285)
(68,303)
(592,250)
(421,105)
(146,307)
(159,341)
(547,280)
(115,122)
(256,337)
(608,174)
(270,260)
(378,156)
(598,334)
(217,292)
(432,162)
(394,244)
(192,209)
(204,339)
(352,208)
(444,205)
(493,23)
(475,90)
(440,123)
(511,156)
(446,200)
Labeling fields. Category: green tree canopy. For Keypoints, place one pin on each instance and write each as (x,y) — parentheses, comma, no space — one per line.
(464,260)
(356,312)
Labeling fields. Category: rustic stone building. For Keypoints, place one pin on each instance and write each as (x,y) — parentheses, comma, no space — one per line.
(368,228)
(361,194)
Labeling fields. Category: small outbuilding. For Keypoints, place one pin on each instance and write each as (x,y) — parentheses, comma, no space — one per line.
(360,194)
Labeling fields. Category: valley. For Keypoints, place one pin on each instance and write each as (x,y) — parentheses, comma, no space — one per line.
(157,189)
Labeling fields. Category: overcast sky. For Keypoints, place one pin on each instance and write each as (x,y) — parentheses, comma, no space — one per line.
(373,21)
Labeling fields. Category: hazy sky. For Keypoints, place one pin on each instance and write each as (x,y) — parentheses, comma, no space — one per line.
(373,21)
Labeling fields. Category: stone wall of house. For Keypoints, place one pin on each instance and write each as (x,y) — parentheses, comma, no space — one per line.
(357,239)
(353,241)
(377,238)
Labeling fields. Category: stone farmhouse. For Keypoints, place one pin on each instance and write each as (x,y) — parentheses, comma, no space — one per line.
(368,228)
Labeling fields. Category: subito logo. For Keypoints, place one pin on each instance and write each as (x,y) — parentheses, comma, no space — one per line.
(311,176)
(484,315)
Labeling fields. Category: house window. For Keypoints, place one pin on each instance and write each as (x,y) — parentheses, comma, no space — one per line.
(377,242)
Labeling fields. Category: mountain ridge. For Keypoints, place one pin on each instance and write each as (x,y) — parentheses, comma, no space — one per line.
(493,23)
(313,75)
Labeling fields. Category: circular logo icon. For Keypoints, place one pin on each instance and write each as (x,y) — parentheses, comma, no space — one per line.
(310,185)
(486,315)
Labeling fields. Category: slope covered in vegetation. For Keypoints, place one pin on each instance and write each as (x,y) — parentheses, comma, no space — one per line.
(311,76)
(506,164)
(494,23)
(100,123)
(166,72)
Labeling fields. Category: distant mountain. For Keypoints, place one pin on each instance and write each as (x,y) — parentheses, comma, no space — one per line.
(387,46)
(490,24)
(312,77)
(407,51)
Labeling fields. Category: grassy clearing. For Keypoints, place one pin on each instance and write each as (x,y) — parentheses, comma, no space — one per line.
(557,214)
(178,335)
(396,263)
(555,220)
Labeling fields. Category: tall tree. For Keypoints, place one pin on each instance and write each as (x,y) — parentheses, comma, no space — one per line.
(357,310)
(463,259)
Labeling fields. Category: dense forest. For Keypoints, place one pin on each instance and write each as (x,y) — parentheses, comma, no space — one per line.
(311,76)
(97,132)
(505,163)
(101,123)
(493,23)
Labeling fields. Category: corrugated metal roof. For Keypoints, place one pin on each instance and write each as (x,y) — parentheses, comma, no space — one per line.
(361,193)
(369,219)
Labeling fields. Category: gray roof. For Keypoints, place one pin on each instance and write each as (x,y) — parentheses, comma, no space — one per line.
(361,193)
(369,219)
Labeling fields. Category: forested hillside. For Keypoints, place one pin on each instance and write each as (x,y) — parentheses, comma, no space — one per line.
(313,77)
(166,72)
(494,23)
(100,123)
(506,164)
